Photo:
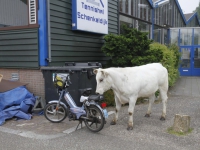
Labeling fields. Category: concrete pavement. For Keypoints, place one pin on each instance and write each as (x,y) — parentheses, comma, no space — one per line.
(39,127)
(188,86)
(148,133)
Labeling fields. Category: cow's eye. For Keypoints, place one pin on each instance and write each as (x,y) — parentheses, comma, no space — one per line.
(101,80)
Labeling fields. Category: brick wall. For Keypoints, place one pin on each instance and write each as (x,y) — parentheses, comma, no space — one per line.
(34,78)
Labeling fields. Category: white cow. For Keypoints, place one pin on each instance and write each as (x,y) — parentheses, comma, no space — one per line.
(129,83)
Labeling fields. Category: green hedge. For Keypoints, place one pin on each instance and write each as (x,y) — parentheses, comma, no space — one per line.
(170,59)
(127,48)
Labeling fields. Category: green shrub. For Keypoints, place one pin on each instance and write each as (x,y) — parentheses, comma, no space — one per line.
(170,60)
(109,98)
(126,49)
(175,49)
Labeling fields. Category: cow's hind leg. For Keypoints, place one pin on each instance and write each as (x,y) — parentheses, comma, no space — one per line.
(151,100)
(163,94)
(118,107)
(131,111)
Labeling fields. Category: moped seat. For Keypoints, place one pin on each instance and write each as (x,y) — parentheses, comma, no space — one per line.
(95,97)
(86,91)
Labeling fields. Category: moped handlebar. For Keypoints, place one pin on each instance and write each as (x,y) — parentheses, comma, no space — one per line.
(68,81)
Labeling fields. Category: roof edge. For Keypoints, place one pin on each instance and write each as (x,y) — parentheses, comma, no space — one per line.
(151,3)
(179,7)
(193,16)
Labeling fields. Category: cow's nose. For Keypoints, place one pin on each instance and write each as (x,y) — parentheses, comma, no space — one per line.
(97,93)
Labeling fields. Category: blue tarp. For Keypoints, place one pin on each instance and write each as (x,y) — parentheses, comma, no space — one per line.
(17,102)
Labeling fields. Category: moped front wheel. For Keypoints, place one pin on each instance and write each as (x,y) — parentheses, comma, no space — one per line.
(55,113)
(95,120)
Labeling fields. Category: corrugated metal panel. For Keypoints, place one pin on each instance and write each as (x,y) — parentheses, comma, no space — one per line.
(19,48)
(13,13)
(68,45)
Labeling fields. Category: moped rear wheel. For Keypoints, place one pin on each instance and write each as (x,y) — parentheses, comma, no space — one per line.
(55,114)
(96,120)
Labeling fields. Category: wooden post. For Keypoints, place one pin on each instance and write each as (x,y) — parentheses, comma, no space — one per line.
(181,123)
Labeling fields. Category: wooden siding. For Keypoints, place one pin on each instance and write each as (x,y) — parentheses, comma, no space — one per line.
(76,46)
(19,48)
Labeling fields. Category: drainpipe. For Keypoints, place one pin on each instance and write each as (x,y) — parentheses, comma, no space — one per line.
(153,20)
(42,20)
(49,33)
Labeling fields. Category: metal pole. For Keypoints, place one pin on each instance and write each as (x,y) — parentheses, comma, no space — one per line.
(49,29)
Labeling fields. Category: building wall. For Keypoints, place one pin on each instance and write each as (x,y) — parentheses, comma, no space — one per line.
(136,8)
(19,48)
(169,15)
(34,78)
(76,46)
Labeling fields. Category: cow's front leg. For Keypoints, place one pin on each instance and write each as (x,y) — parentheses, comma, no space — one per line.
(118,107)
(131,111)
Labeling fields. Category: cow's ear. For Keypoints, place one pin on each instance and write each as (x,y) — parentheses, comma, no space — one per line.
(95,71)
(104,73)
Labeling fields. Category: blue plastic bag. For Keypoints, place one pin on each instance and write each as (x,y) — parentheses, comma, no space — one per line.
(16,103)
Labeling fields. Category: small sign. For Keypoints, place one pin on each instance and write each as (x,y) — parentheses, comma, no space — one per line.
(90,16)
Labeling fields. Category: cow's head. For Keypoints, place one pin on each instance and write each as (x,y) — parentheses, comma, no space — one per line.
(102,81)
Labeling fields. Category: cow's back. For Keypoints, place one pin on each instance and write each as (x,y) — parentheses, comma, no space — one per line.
(150,73)
(141,79)
(155,70)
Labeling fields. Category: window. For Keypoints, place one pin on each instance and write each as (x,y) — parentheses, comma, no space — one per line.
(165,36)
(157,34)
(143,26)
(174,36)
(136,8)
(196,37)
(185,57)
(186,36)
(18,13)
(133,23)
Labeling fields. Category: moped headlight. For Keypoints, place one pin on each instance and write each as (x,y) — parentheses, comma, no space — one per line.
(59,83)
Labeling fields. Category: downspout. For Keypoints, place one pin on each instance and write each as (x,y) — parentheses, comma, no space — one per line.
(49,29)
(153,19)
(42,33)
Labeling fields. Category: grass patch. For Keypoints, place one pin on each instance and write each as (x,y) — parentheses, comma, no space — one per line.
(171,131)
(142,101)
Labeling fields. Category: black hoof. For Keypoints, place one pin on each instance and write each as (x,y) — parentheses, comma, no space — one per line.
(147,115)
(113,122)
(130,128)
(162,118)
